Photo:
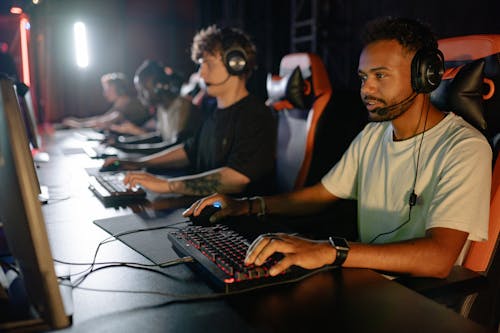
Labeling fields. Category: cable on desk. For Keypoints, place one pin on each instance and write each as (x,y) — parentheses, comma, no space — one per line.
(58,194)
(180,298)
(104,263)
(129,265)
(114,237)
(55,200)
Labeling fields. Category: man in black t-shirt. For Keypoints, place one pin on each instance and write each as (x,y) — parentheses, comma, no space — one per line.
(234,150)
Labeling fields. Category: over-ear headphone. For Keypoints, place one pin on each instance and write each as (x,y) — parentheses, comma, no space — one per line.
(427,68)
(166,88)
(169,84)
(235,60)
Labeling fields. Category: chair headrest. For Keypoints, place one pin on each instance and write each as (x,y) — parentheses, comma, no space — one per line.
(289,88)
(302,79)
(461,91)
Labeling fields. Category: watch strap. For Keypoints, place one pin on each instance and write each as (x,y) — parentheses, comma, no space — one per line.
(341,252)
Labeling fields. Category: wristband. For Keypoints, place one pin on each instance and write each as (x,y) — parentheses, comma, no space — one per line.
(250,203)
(262,211)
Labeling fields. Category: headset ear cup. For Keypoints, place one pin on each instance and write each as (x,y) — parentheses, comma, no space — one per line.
(159,89)
(427,68)
(235,60)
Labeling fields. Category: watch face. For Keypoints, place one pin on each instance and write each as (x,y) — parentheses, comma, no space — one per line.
(340,242)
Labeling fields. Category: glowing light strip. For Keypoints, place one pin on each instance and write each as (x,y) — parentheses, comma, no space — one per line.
(81,49)
(23,27)
(16,10)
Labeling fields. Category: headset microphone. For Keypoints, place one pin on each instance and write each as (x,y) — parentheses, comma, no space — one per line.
(208,84)
(384,110)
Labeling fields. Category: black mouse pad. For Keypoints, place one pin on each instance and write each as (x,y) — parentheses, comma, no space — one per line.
(146,232)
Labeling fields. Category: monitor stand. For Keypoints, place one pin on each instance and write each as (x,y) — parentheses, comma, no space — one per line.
(44,195)
(41,157)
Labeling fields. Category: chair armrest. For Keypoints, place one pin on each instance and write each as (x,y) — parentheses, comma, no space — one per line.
(460,282)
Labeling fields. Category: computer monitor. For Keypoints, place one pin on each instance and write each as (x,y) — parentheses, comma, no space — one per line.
(34,140)
(28,113)
(22,219)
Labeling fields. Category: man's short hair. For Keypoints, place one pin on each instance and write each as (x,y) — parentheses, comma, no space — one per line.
(119,81)
(214,40)
(413,35)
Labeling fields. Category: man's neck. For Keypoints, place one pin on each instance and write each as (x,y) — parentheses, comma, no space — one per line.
(421,117)
(231,96)
(121,101)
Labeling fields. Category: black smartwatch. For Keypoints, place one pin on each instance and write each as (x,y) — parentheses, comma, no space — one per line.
(342,248)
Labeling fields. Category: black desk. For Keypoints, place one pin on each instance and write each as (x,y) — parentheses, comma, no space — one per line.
(351,300)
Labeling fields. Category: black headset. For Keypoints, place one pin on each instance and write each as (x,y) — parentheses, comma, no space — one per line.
(427,68)
(168,84)
(235,60)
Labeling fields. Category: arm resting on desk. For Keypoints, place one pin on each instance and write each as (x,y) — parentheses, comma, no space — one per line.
(144,148)
(224,179)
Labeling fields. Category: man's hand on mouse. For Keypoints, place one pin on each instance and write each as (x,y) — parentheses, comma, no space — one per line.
(111,161)
(117,164)
(229,207)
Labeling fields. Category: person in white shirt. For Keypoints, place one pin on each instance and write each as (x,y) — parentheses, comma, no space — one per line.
(421,176)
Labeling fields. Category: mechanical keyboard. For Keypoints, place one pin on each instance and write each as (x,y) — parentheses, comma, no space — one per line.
(109,188)
(220,251)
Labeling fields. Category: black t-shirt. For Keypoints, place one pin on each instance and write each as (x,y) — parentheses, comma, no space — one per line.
(242,137)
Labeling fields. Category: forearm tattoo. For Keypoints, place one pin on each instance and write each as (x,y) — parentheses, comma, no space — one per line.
(204,185)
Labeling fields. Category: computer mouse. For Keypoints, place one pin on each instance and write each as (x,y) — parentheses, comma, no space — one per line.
(115,166)
(204,218)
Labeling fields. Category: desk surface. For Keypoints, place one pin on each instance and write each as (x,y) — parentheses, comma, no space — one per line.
(353,300)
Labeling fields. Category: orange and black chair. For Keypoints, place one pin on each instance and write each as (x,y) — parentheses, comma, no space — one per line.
(315,127)
(300,94)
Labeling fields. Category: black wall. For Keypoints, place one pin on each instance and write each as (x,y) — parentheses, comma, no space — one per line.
(127,31)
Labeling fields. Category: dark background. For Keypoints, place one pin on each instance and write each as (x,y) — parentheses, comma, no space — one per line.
(122,33)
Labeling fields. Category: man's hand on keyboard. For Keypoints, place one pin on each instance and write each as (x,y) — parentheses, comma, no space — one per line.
(297,251)
(148,181)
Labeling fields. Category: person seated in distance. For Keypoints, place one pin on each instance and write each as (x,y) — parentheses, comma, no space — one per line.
(161,89)
(126,107)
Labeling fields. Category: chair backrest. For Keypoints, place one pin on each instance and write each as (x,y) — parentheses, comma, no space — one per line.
(480,255)
(459,51)
(300,95)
